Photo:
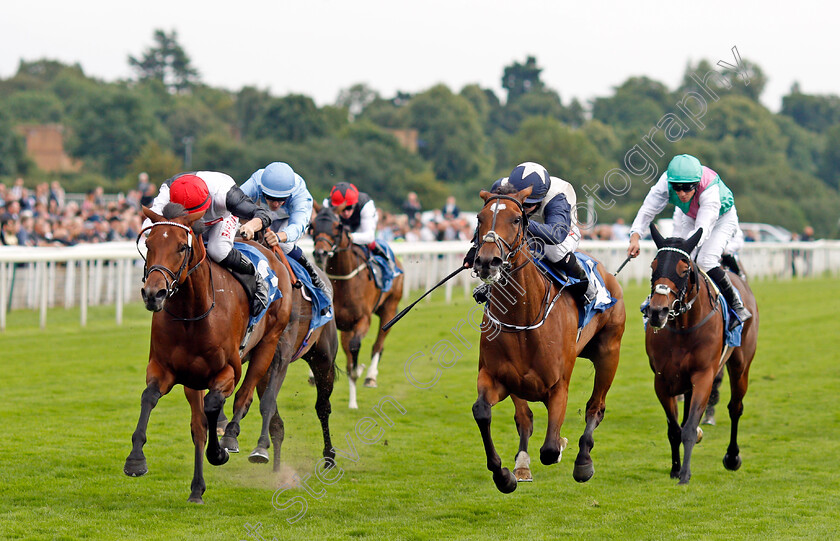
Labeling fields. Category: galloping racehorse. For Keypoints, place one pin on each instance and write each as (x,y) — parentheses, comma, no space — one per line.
(529,345)
(356,297)
(200,317)
(685,342)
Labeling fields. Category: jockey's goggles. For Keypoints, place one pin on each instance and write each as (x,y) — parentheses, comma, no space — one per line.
(280,200)
(683,186)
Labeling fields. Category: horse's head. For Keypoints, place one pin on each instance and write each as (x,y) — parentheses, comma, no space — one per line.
(173,252)
(329,234)
(670,276)
(502,224)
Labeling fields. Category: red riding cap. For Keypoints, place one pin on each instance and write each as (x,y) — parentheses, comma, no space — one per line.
(191,192)
(344,192)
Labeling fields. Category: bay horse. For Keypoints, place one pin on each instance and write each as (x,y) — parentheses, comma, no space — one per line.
(529,344)
(688,357)
(318,349)
(200,318)
(356,295)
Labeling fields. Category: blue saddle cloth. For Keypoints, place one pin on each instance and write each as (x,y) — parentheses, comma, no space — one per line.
(322,310)
(382,274)
(264,270)
(603,297)
(731,338)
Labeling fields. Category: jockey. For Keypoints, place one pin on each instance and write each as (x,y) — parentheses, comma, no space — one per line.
(552,222)
(701,200)
(281,190)
(359,216)
(222,204)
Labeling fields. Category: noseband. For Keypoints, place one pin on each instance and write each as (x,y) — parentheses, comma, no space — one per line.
(506,251)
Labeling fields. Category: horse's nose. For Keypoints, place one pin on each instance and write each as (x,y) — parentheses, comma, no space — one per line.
(152,298)
(487,266)
(657,316)
(320,255)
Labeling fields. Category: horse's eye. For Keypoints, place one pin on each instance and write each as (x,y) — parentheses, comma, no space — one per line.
(517,220)
(183,248)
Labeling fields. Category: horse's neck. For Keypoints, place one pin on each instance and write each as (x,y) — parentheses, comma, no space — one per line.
(344,261)
(196,293)
(520,300)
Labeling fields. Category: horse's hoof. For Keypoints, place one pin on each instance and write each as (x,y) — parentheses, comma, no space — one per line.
(195,499)
(230,443)
(258,456)
(684,481)
(523,475)
(731,464)
(505,481)
(220,459)
(583,472)
(220,428)
(135,468)
(699,434)
(709,420)
(370,382)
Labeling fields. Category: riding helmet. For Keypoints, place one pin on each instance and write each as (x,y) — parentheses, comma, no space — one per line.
(344,192)
(684,169)
(534,175)
(191,192)
(278,180)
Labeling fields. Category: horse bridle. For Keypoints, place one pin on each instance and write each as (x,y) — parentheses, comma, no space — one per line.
(501,243)
(679,306)
(172,279)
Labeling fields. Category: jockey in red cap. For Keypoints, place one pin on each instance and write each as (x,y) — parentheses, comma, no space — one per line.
(222,204)
(358,214)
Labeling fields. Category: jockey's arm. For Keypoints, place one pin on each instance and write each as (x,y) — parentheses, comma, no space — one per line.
(655,202)
(299,207)
(241,206)
(708,213)
(558,221)
(366,233)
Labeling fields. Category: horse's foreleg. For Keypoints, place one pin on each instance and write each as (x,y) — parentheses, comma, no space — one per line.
(261,357)
(269,387)
(488,395)
(351,342)
(221,386)
(738,379)
(158,383)
(552,450)
(324,372)
(386,313)
(669,404)
(525,427)
(198,428)
(690,433)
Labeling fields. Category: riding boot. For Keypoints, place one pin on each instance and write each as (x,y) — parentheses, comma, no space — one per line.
(481,293)
(573,268)
(731,262)
(732,296)
(316,279)
(254,284)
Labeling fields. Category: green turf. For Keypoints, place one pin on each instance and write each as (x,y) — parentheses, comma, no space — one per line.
(72,397)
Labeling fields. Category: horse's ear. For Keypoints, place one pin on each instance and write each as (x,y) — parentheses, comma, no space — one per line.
(192,218)
(692,241)
(523,194)
(316,206)
(484,194)
(657,237)
(152,215)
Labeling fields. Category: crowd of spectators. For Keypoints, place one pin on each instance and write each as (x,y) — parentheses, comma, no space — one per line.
(45,216)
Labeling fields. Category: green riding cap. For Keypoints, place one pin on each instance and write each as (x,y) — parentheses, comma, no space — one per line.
(684,169)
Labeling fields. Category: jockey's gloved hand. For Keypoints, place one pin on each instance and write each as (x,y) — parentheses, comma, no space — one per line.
(469,259)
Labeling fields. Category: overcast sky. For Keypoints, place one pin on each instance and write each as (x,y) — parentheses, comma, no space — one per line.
(318,47)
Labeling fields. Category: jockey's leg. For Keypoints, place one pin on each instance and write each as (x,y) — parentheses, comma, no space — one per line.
(573,267)
(375,249)
(254,284)
(297,254)
(732,295)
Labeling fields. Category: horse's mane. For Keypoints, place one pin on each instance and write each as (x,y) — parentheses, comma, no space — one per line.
(176,210)
(505,189)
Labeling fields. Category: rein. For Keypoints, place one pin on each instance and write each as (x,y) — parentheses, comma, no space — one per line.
(335,249)
(685,307)
(172,279)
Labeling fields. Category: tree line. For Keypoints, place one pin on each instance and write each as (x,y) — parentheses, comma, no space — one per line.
(784,167)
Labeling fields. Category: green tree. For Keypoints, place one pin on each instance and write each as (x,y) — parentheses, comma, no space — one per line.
(450,135)
(13,159)
(829,165)
(520,79)
(636,105)
(723,81)
(814,112)
(356,98)
(36,107)
(291,118)
(158,162)
(745,131)
(166,62)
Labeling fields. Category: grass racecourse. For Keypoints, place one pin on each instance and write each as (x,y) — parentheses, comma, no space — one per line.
(71,398)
